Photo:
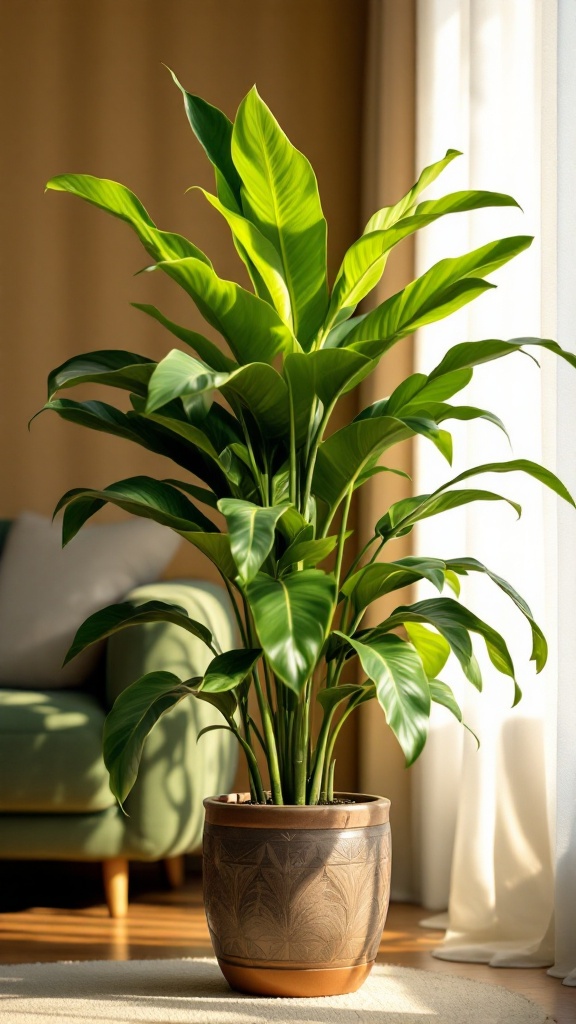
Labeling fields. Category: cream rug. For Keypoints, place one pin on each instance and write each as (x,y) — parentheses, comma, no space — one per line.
(194,992)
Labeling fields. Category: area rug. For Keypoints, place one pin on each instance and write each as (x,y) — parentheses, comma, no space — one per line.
(194,992)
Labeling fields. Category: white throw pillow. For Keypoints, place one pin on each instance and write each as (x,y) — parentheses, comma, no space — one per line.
(47,591)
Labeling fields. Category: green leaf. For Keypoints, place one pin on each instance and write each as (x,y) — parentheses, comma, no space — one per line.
(140,495)
(442,290)
(252,328)
(135,712)
(390,215)
(228,670)
(216,547)
(225,702)
(325,374)
(214,133)
(473,353)
(344,455)
(379,578)
(292,618)
(442,694)
(364,262)
(432,648)
(206,349)
(113,367)
(200,493)
(309,552)
(280,196)
(258,386)
(121,202)
(533,469)
(115,617)
(429,429)
(261,254)
(539,646)
(401,688)
(331,696)
(403,515)
(455,622)
(252,530)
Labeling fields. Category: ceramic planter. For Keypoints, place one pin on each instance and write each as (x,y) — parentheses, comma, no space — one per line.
(296,897)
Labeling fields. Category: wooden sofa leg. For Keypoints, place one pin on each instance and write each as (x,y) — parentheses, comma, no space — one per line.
(175,871)
(115,875)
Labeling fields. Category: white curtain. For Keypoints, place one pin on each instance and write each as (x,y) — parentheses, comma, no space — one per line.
(485,820)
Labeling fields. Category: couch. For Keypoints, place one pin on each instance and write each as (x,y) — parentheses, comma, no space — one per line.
(55,801)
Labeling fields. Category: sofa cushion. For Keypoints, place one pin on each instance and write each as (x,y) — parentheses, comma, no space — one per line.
(51,753)
(47,591)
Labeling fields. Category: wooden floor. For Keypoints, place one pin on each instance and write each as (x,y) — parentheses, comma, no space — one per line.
(56,912)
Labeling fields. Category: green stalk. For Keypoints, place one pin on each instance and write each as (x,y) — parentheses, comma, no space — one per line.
(342,535)
(313,452)
(316,782)
(302,732)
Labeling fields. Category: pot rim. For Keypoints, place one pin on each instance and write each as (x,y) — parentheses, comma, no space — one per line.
(229,810)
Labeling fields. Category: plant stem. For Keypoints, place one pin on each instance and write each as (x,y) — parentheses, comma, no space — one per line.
(316,782)
(302,731)
(342,536)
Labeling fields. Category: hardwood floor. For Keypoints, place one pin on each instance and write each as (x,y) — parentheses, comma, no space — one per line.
(57,912)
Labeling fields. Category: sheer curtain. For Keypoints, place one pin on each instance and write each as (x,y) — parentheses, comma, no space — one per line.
(485,819)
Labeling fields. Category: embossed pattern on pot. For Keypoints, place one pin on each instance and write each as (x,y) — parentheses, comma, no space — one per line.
(312,898)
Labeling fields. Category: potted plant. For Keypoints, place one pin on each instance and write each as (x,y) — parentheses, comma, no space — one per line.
(296,875)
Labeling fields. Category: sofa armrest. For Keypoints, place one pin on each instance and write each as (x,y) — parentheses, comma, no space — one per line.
(165,807)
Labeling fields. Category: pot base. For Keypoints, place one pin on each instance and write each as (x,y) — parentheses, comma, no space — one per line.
(279,981)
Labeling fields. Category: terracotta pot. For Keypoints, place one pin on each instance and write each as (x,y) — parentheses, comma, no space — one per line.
(296,897)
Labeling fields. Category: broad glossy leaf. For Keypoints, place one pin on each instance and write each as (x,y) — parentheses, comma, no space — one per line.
(403,515)
(216,547)
(325,374)
(252,328)
(258,386)
(389,215)
(473,353)
(330,697)
(161,437)
(213,129)
(416,391)
(135,712)
(344,455)
(115,617)
(379,578)
(206,349)
(251,529)
(441,411)
(539,646)
(226,671)
(451,618)
(189,432)
(433,649)
(442,290)
(427,428)
(292,618)
(113,367)
(280,196)
(401,688)
(442,694)
(533,469)
(121,202)
(309,552)
(225,702)
(261,254)
(179,374)
(140,495)
(364,262)
(200,493)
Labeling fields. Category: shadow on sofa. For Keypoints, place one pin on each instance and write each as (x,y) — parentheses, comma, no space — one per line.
(55,801)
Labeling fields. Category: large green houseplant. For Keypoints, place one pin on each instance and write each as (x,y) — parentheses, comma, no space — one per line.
(251,419)
(263,487)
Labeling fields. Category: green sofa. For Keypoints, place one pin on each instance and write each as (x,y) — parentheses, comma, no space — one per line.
(55,801)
